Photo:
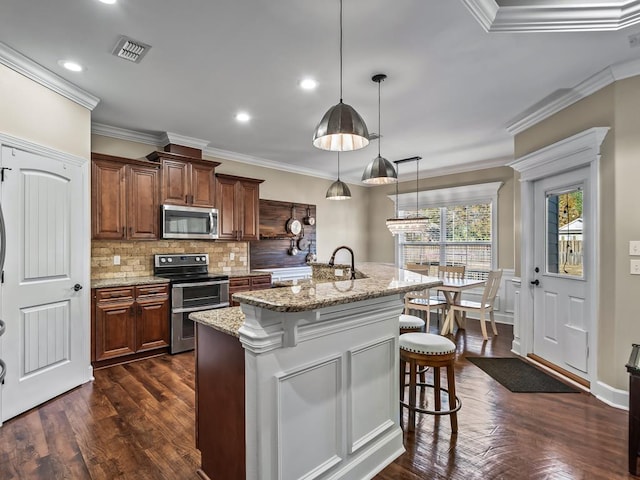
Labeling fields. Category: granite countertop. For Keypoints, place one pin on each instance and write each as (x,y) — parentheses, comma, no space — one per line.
(126,282)
(382,280)
(250,273)
(226,320)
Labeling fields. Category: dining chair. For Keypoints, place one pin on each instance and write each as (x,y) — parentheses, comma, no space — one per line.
(453,272)
(422,301)
(484,306)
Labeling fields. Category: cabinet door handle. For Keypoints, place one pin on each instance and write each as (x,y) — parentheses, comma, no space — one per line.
(130,231)
(123,232)
(186,199)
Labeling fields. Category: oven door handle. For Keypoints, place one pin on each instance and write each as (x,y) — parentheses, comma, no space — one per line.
(201,308)
(199,284)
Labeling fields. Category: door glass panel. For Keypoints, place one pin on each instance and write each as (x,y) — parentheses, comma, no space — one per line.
(564,233)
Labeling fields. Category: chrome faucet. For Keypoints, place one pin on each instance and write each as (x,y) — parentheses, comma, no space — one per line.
(353,266)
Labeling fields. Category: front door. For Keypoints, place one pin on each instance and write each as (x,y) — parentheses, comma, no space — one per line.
(562,273)
(44,345)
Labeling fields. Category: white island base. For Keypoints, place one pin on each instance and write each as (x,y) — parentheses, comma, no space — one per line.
(322,390)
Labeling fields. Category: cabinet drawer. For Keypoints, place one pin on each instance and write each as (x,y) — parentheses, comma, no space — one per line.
(110,294)
(152,290)
(259,283)
(240,283)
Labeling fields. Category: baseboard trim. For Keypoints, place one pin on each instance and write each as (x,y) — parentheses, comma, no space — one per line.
(614,397)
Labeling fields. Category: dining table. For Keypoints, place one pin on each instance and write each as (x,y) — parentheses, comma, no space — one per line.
(452,289)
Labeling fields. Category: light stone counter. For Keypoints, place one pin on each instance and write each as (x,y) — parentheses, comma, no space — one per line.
(225,320)
(382,280)
(126,282)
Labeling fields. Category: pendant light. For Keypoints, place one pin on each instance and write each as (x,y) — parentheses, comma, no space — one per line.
(341,129)
(380,171)
(338,189)
(411,224)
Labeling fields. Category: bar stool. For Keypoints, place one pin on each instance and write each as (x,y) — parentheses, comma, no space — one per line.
(411,323)
(428,350)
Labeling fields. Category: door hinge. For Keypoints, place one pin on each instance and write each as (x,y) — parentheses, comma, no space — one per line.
(2,277)
(2,169)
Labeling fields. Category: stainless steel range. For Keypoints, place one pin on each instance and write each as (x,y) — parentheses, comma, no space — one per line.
(193,289)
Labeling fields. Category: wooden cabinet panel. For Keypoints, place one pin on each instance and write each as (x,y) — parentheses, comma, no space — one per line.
(115,330)
(226,203)
(237,200)
(142,202)
(245,284)
(129,321)
(186,180)
(152,324)
(124,198)
(202,185)
(175,182)
(108,199)
(249,215)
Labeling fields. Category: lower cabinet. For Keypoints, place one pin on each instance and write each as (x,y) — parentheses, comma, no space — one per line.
(245,284)
(129,321)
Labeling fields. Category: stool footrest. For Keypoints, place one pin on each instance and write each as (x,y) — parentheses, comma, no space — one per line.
(458,402)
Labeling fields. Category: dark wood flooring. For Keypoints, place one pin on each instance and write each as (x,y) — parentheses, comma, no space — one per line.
(136,421)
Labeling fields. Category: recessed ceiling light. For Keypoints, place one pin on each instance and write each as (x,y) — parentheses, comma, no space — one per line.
(243,117)
(308,84)
(109,2)
(69,65)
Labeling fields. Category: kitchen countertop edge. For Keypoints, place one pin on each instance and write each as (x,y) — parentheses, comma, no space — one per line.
(226,320)
(126,282)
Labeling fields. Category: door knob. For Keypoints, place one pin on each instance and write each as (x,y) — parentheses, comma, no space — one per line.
(77,287)
(535,282)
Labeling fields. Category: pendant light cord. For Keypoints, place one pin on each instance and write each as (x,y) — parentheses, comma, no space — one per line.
(379,123)
(340,51)
(417,166)
(338,166)
(397,181)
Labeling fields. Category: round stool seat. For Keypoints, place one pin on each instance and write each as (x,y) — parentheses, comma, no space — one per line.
(426,344)
(411,322)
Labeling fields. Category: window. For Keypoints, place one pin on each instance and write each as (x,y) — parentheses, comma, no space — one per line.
(461,230)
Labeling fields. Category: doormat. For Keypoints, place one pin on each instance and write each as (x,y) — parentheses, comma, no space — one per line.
(521,377)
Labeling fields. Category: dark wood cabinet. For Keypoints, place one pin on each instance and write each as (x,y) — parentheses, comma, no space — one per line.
(248,283)
(186,181)
(124,198)
(237,200)
(128,321)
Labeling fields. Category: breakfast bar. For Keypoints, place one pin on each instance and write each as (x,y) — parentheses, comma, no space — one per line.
(301,381)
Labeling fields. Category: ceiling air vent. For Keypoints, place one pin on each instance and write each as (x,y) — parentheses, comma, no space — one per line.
(130,49)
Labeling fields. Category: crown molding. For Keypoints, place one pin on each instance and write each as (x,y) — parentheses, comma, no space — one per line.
(126,134)
(261,162)
(178,139)
(567,97)
(30,69)
(548,16)
(572,152)
(460,168)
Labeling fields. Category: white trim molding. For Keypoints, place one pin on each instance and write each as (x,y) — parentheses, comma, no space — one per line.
(613,397)
(152,139)
(443,197)
(580,150)
(572,152)
(563,98)
(36,72)
(549,16)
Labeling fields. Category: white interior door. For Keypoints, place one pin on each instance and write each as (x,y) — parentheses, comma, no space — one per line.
(46,338)
(562,272)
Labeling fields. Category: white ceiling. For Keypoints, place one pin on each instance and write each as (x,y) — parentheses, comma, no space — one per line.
(452,88)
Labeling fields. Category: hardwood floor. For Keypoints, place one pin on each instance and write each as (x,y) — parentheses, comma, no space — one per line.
(136,421)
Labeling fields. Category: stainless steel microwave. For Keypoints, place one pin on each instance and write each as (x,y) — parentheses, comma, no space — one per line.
(189,222)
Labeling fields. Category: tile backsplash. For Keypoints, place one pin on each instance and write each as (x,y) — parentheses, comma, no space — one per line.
(136,257)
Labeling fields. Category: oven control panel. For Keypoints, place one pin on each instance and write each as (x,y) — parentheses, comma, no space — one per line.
(182,260)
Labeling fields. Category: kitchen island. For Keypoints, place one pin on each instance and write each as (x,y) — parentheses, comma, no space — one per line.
(302,381)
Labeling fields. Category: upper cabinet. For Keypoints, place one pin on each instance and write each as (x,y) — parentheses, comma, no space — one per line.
(237,200)
(124,198)
(186,181)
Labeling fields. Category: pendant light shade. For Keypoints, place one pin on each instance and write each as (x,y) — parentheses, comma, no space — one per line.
(341,129)
(415,224)
(380,171)
(338,189)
